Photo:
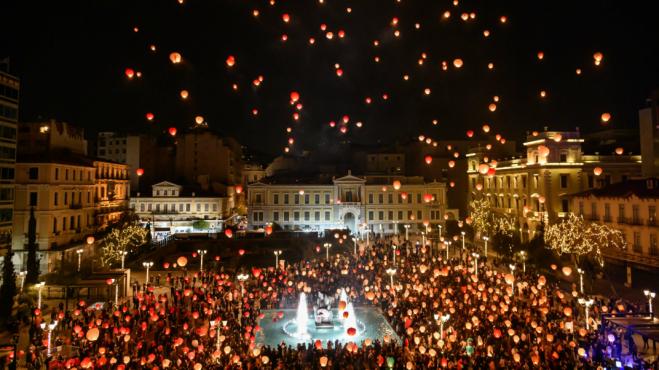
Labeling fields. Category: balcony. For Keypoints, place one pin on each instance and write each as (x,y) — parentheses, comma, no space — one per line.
(75,206)
(636,221)
(592,217)
(606,218)
(622,220)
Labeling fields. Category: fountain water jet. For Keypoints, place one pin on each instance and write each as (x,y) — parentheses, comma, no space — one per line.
(343,297)
(351,320)
(302,317)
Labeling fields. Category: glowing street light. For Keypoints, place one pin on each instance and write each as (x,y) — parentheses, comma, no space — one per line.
(116,290)
(463,242)
(123,258)
(79,252)
(51,327)
(39,288)
(277,253)
(354,241)
(580,271)
(523,254)
(485,238)
(586,304)
(650,296)
(22,275)
(512,271)
(407,229)
(443,319)
(391,272)
(241,278)
(201,252)
(147,265)
(327,248)
(475,255)
(394,252)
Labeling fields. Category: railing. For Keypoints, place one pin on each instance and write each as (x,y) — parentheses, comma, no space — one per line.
(75,206)
(622,220)
(636,221)
(647,260)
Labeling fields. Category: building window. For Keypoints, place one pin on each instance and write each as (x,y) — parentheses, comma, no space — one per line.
(565,205)
(63,223)
(316,216)
(327,216)
(607,212)
(296,198)
(141,207)
(419,215)
(316,198)
(286,217)
(56,198)
(206,207)
(523,181)
(535,181)
(636,214)
(56,174)
(390,215)
(72,223)
(33,199)
(563,157)
(285,198)
(306,198)
(418,198)
(198,207)
(380,198)
(33,173)
(593,211)
(637,243)
(348,196)
(400,215)
(327,198)
(275,199)
(564,181)
(187,207)
(275,216)
(370,215)
(370,198)
(214,207)
(390,198)
(54,225)
(590,181)
(653,245)
(148,207)
(380,215)
(652,214)
(296,216)
(621,213)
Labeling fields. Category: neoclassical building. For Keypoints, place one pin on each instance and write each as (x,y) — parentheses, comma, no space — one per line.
(383,204)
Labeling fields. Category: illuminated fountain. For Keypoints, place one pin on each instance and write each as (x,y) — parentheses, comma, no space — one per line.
(302,318)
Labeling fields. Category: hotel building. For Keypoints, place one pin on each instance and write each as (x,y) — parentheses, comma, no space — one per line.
(9,94)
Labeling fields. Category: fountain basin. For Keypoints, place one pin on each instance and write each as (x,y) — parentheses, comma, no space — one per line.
(370,324)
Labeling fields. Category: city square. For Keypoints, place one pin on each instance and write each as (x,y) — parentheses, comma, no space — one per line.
(328,184)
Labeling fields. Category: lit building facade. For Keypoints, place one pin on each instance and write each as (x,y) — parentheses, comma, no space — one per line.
(111,193)
(630,207)
(533,188)
(349,202)
(171,209)
(9,95)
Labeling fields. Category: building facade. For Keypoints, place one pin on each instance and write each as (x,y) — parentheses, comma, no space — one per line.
(9,95)
(649,126)
(111,192)
(534,188)
(380,204)
(170,209)
(630,207)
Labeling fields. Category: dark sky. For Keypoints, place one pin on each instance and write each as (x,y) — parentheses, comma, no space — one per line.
(71,57)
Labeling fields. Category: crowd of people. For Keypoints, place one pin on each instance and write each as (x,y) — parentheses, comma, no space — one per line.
(463,312)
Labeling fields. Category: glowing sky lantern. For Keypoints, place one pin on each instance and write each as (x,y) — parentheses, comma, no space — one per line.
(130,73)
(182,261)
(470,133)
(172,131)
(492,107)
(451,163)
(184,94)
(428,159)
(605,117)
(458,63)
(482,168)
(150,116)
(228,233)
(286,17)
(597,171)
(175,57)
(558,137)
(231,61)
(503,19)
(426,91)
(543,94)
(541,55)
(619,150)
(139,171)
(339,72)
(486,128)
(295,96)
(396,184)
(199,119)
(598,58)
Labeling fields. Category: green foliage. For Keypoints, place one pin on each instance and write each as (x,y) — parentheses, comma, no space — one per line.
(32,246)
(8,287)
(201,225)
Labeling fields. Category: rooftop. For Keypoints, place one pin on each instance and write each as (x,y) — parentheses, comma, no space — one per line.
(641,188)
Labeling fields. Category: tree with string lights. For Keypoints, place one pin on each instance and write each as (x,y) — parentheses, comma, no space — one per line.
(482,217)
(119,240)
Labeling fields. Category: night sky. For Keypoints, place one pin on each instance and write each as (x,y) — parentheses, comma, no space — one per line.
(71,57)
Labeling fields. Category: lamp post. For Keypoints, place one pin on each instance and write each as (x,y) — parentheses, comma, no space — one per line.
(475,255)
(327,248)
(394,252)
(51,327)
(586,303)
(443,319)
(423,239)
(147,265)
(407,229)
(512,271)
(447,244)
(79,252)
(201,252)
(22,275)
(485,238)
(439,231)
(39,288)
(580,271)
(523,254)
(123,258)
(277,253)
(391,272)
(116,290)
(463,242)
(354,246)
(241,278)
(650,296)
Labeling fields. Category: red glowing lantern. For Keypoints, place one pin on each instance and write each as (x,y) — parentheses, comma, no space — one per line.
(182,261)
(352,332)
(130,73)
(428,159)
(239,189)
(241,252)
(295,96)
(228,233)
(268,230)
(139,171)
(172,131)
(150,116)
(231,60)
(470,133)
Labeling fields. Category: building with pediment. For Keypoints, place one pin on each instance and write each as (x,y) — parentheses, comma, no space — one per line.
(382,204)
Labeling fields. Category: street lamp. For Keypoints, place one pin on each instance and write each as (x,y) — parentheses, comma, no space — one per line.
(512,271)
(116,290)
(277,254)
(423,239)
(354,241)
(650,296)
(123,258)
(327,248)
(523,254)
(476,255)
(485,238)
(394,252)
(39,288)
(443,319)
(580,271)
(447,244)
(79,252)
(463,242)
(51,327)
(586,304)
(147,265)
(201,252)
(391,272)
(407,229)
(22,275)
(241,277)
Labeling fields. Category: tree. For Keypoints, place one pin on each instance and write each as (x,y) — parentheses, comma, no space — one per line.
(579,238)
(119,240)
(33,273)
(201,225)
(8,287)
(482,217)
